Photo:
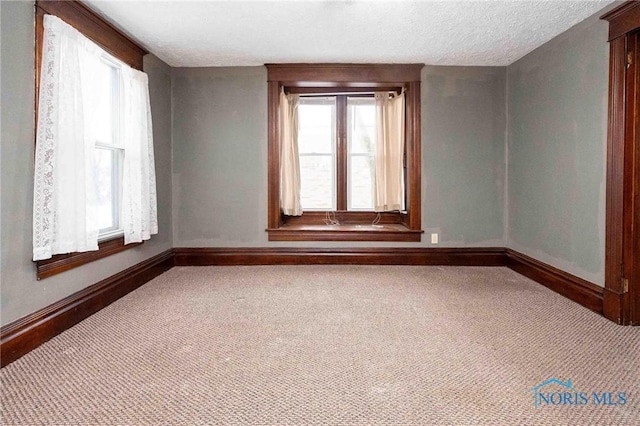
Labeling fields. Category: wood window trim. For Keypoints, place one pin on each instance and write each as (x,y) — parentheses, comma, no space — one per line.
(623,19)
(63,262)
(622,251)
(94,27)
(355,226)
(122,47)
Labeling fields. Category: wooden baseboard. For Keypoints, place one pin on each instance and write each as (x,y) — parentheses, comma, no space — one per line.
(27,333)
(580,291)
(339,256)
(614,306)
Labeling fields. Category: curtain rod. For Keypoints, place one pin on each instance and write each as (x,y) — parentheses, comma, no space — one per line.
(334,91)
(323,95)
(338,94)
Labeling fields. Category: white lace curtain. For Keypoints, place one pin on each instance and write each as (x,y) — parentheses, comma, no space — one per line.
(64,208)
(289,159)
(139,214)
(389,157)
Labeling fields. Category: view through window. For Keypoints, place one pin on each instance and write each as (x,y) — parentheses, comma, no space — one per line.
(317,150)
(361,136)
(319,131)
(109,152)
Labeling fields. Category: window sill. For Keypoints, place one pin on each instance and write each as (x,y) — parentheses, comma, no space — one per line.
(63,262)
(384,232)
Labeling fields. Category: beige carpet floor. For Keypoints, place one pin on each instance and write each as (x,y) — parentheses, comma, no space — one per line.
(329,345)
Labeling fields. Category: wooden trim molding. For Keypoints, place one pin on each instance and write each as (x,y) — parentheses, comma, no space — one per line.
(615,177)
(580,291)
(345,217)
(96,28)
(63,262)
(482,256)
(634,270)
(623,19)
(345,233)
(331,75)
(274,218)
(622,268)
(27,333)
(413,155)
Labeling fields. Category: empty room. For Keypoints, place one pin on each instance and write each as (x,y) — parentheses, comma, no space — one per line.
(329,212)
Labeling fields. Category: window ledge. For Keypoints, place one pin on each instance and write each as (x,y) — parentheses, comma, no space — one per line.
(63,262)
(384,232)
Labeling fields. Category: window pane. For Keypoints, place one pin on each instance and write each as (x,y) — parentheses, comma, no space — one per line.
(316,145)
(107,178)
(361,124)
(361,176)
(104,117)
(316,125)
(317,182)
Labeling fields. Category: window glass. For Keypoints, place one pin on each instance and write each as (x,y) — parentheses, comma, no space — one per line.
(316,147)
(361,125)
(105,107)
(105,164)
(108,153)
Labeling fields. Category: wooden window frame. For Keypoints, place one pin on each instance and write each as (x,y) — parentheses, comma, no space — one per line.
(117,44)
(354,225)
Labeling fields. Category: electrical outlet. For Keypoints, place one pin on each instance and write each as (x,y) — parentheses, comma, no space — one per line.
(434,238)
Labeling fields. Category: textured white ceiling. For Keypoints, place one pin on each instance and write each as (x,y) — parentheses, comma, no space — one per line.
(229,33)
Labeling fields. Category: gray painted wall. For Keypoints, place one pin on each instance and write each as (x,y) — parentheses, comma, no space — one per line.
(463,143)
(551,104)
(557,123)
(1,136)
(20,292)
(220,157)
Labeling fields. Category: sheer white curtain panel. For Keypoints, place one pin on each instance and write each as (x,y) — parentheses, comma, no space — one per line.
(65,211)
(139,201)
